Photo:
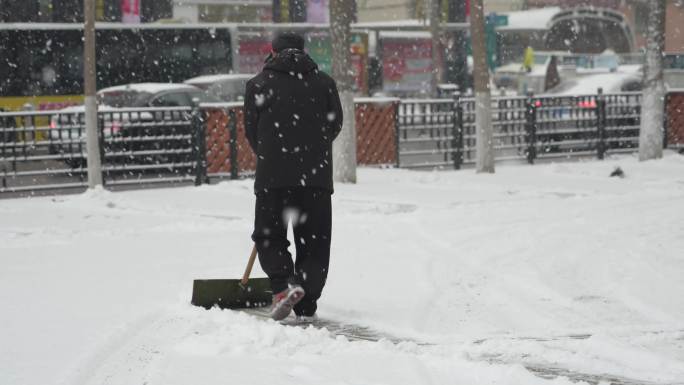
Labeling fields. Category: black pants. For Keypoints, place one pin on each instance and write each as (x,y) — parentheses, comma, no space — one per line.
(310,212)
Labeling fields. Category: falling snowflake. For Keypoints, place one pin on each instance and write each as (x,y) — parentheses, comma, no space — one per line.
(259,99)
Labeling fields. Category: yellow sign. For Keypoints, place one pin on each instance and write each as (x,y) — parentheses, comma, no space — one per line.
(39,103)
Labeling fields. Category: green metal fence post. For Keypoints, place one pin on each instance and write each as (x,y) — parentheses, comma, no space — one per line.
(666,121)
(531,128)
(232,128)
(101,140)
(601,123)
(457,131)
(200,145)
(397,131)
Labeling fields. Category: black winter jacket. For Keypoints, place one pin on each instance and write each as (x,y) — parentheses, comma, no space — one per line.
(292,115)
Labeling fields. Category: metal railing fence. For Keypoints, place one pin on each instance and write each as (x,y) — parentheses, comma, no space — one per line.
(47,150)
(427,132)
(442,133)
(145,146)
(150,145)
(34,156)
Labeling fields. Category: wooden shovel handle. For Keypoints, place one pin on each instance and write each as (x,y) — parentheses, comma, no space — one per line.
(250,264)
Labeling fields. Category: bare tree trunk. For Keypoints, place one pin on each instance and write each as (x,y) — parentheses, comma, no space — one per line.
(344,147)
(92,134)
(436,78)
(653,103)
(483,98)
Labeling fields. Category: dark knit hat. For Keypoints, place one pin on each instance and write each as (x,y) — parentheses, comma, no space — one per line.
(285,40)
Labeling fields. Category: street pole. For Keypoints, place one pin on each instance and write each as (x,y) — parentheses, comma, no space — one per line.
(653,103)
(436,77)
(483,98)
(456,63)
(92,134)
(344,147)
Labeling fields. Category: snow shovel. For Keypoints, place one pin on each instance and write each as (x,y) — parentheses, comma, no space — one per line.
(233,293)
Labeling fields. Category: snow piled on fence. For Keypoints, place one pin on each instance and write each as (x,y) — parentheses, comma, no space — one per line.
(555,266)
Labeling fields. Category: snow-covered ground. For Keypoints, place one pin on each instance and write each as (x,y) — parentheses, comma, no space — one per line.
(556,268)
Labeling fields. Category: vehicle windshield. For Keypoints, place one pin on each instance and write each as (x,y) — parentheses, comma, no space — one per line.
(229,91)
(124,98)
(205,97)
(540,59)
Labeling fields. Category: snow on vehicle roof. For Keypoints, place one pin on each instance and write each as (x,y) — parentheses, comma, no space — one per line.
(529,20)
(207,79)
(405,35)
(79,109)
(151,88)
(376,99)
(624,68)
(588,85)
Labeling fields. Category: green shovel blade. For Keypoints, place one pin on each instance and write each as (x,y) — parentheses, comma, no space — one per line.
(230,294)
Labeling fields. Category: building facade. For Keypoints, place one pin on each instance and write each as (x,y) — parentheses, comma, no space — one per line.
(636,12)
(615,4)
(217,11)
(71,11)
(386,10)
(499,6)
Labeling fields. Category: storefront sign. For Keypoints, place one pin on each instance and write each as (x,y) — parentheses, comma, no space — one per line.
(407,64)
(317,11)
(130,11)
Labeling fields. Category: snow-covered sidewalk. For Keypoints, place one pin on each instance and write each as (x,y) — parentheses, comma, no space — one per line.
(554,268)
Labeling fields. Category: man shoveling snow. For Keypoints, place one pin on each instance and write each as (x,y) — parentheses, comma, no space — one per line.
(292,115)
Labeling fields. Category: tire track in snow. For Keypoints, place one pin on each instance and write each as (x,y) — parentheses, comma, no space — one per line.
(128,356)
(434,245)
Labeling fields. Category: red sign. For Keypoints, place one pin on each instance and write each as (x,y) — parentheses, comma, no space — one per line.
(252,52)
(407,64)
(130,11)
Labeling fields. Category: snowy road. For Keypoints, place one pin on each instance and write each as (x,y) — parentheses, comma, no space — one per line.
(549,271)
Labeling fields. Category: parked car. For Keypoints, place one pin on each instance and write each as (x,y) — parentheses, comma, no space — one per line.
(152,95)
(145,134)
(226,87)
(562,105)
